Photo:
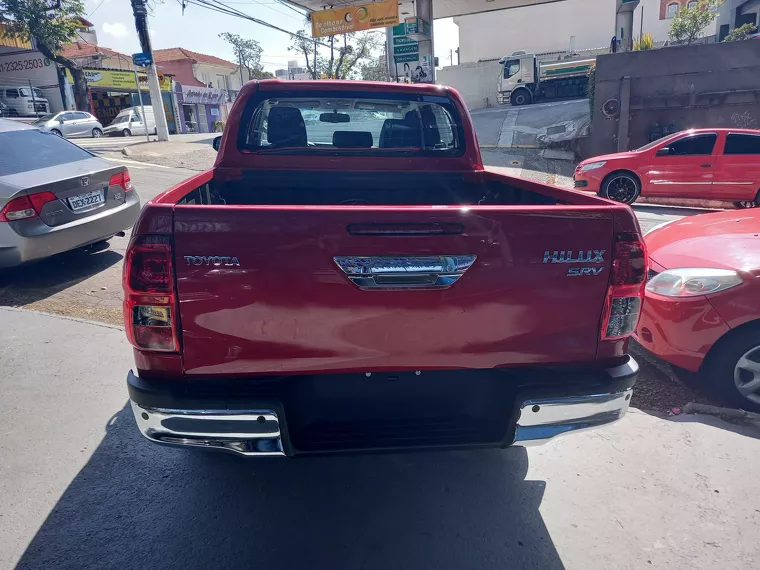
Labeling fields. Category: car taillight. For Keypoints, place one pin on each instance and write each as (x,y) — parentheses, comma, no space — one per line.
(626,290)
(24,207)
(149,296)
(122,179)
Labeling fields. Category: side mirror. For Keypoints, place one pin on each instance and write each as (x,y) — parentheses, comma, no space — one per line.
(664,151)
(60,121)
(216,143)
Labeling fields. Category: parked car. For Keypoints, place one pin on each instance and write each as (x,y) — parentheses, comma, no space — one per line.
(56,196)
(70,124)
(374,292)
(4,110)
(129,122)
(702,302)
(24,101)
(714,164)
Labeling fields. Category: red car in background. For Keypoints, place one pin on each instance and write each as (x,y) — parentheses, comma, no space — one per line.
(702,301)
(715,164)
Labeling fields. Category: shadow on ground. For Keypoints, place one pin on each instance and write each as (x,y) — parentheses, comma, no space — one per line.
(42,279)
(136,505)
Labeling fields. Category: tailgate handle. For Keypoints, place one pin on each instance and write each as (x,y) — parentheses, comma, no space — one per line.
(405,272)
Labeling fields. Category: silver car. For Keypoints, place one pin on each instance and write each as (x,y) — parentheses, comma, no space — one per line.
(70,124)
(56,196)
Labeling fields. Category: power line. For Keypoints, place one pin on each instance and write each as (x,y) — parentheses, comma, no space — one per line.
(218,6)
(96,8)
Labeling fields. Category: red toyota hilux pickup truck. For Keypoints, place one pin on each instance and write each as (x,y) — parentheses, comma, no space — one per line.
(349,277)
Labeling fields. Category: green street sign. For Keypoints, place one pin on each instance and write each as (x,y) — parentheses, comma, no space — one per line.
(400,40)
(406,48)
(406,57)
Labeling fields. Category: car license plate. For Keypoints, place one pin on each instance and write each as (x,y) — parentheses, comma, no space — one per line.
(85,201)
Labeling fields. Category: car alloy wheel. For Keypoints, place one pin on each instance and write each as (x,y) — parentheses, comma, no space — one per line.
(747,375)
(743,204)
(126,133)
(97,133)
(622,188)
(56,132)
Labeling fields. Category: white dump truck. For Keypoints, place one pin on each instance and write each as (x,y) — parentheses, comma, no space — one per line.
(523,79)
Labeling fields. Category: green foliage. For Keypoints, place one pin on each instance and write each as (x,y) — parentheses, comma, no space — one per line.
(689,23)
(247,54)
(218,126)
(741,33)
(646,43)
(344,60)
(33,18)
(51,29)
(374,70)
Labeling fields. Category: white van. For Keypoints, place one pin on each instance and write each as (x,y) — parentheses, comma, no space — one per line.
(24,101)
(129,122)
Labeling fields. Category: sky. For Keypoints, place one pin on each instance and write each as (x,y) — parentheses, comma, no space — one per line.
(199,28)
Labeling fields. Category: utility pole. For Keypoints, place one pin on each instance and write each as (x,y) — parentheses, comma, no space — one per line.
(451,57)
(641,25)
(141,23)
(457,50)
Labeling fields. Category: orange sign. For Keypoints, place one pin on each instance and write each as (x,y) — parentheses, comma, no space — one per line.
(354,18)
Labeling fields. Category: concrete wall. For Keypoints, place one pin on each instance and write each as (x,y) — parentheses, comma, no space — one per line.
(475,82)
(713,85)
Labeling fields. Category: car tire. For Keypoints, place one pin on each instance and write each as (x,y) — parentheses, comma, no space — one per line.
(521,97)
(126,133)
(56,132)
(734,364)
(97,133)
(621,186)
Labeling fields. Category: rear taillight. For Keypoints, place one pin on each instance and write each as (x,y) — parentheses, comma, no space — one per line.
(149,296)
(24,207)
(122,179)
(626,290)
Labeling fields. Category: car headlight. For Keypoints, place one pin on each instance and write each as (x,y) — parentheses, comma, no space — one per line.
(693,282)
(593,165)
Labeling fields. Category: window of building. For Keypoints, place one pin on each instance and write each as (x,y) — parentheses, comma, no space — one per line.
(221,82)
(692,4)
(672,10)
(742,144)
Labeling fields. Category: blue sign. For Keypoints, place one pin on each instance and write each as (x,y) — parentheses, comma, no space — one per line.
(142,59)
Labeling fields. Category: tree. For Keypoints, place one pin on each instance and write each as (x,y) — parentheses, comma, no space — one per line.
(51,29)
(247,54)
(689,22)
(363,48)
(374,70)
(741,33)
(302,45)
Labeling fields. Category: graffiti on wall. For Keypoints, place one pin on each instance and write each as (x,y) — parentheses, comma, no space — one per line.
(744,120)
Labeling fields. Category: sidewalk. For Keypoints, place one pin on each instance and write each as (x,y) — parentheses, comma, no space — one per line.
(194,153)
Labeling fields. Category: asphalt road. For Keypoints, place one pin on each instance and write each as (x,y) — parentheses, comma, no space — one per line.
(81,489)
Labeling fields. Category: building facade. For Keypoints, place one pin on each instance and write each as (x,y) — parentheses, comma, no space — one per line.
(570,25)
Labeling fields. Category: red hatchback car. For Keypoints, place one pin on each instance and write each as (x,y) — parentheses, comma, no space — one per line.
(717,164)
(702,302)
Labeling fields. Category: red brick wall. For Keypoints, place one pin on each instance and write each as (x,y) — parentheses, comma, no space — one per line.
(664,7)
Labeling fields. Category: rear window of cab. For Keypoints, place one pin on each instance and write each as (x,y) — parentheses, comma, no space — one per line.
(369,123)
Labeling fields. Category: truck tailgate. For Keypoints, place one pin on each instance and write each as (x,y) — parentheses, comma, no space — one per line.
(261,289)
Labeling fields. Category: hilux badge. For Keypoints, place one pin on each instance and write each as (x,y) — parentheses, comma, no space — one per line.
(588,256)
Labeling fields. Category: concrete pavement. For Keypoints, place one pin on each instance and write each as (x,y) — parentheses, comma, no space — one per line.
(81,488)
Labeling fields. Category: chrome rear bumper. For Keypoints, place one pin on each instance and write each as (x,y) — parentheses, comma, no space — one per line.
(251,426)
(542,420)
(250,432)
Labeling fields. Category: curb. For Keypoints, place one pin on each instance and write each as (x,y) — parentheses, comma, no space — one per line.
(67,318)
(689,203)
(727,414)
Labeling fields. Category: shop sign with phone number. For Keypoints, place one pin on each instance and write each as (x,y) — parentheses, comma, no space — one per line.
(24,64)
